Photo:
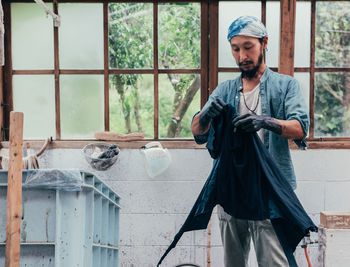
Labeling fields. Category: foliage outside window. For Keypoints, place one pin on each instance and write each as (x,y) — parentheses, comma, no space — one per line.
(154,88)
(332,86)
(131,47)
(133,76)
(327,79)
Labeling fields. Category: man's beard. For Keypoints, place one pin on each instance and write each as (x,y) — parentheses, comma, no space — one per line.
(250,74)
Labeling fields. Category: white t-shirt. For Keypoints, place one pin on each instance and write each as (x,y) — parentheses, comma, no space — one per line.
(253,102)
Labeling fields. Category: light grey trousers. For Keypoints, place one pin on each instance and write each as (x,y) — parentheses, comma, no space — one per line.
(236,235)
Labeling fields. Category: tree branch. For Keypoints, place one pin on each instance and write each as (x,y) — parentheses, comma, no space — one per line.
(332,92)
(181,109)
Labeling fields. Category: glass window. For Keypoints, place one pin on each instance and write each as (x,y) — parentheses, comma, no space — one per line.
(179,36)
(304,81)
(81,36)
(134,77)
(302,34)
(273,30)
(131,103)
(34,95)
(82,109)
(179,100)
(228,12)
(332,104)
(225,76)
(32,37)
(332,34)
(130,35)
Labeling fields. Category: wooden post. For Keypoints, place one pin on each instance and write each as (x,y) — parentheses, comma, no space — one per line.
(7,70)
(14,191)
(213,44)
(287,36)
(1,102)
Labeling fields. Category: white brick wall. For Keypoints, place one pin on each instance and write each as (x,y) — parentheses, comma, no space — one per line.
(154,209)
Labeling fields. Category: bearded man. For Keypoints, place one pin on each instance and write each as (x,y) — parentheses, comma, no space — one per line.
(270,104)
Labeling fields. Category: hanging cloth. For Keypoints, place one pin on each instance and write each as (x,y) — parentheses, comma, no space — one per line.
(29,162)
(246,181)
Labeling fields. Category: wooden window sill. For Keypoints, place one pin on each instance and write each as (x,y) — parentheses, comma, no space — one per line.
(323,144)
(134,144)
(166,143)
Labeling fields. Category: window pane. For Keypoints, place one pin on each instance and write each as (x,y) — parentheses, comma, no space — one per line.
(304,81)
(179,35)
(130,35)
(179,100)
(34,95)
(131,103)
(228,12)
(332,104)
(273,30)
(81,105)
(81,36)
(225,76)
(302,35)
(32,37)
(332,34)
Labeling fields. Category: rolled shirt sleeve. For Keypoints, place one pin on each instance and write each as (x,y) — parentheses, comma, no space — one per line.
(296,109)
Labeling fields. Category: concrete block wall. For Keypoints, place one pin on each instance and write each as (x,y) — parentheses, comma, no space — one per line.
(335,247)
(153,209)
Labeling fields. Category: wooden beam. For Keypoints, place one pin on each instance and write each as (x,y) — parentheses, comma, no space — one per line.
(7,77)
(213,44)
(156,73)
(287,33)
(204,53)
(314,143)
(57,77)
(79,144)
(312,69)
(14,191)
(1,102)
(106,66)
(335,220)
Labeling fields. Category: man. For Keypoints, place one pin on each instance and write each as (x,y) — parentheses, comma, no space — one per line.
(270,104)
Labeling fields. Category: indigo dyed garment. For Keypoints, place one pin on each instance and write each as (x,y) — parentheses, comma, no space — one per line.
(281,98)
(248,184)
(247,26)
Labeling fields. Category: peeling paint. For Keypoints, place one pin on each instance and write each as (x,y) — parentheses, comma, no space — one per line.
(47,223)
(23,231)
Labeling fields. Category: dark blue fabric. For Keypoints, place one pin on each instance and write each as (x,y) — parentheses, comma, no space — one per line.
(281,98)
(248,184)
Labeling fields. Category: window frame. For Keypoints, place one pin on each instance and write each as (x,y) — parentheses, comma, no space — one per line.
(313,142)
(208,70)
(107,70)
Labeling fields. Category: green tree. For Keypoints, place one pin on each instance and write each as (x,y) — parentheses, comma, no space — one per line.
(332,93)
(131,46)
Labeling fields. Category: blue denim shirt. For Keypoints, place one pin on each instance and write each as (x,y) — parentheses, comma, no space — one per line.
(281,98)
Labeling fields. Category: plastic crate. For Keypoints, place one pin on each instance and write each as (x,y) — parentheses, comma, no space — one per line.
(65,229)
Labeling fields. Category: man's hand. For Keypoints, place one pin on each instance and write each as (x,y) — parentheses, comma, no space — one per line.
(253,123)
(214,110)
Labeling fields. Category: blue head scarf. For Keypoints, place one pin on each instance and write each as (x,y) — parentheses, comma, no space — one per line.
(247,26)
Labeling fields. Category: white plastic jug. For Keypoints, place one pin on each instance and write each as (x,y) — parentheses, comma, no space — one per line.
(157,158)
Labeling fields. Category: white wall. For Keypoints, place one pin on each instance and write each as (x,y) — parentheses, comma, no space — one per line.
(154,209)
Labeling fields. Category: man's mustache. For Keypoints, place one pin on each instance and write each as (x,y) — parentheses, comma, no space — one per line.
(245,62)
